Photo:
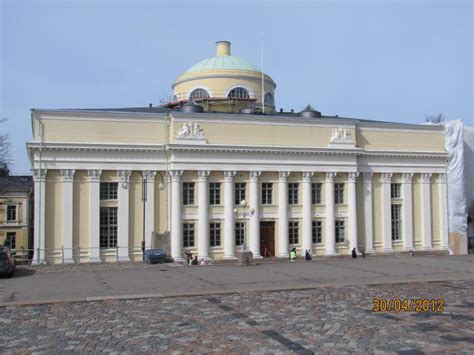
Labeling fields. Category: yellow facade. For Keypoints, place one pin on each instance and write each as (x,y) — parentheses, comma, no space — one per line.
(94,147)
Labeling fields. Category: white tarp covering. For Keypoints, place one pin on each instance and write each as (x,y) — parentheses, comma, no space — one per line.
(454,143)
(469,174)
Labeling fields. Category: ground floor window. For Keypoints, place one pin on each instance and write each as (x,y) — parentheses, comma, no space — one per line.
(108,227)
(339,231)
(188,235)
(396,222)
(239,233)
(317,232)
(293,232)
(215,234)
(10,240)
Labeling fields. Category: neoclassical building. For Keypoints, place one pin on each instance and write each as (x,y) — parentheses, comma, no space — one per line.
(108,181)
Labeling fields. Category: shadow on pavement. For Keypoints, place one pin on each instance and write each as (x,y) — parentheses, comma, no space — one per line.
(22,272)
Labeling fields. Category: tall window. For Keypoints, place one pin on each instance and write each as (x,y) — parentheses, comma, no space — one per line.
(293,193)
(239,192)
(188,193)
(317,232)
(108,227)
(395,190)
(316,193)
(267,189)
(239,93)
(239,233)
(215,193)
(339,231)
(11,213)
(269,99)
(198,94)
(215,234)
(188,235)
(108,190)
(396,222)
(10,240)
(339,193)
(293,232)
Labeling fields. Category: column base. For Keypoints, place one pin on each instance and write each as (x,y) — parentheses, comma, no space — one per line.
(230,257)
(369,251)
(387,250)
(257,256)
(205,258)
(427,248)
(330,252)
(95,260)
(123,259)
(283,255)
(177,259)
(35,262)
(408,249)
(69,261)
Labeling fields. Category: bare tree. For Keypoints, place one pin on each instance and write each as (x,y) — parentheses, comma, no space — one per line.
(436,119)
(5,144)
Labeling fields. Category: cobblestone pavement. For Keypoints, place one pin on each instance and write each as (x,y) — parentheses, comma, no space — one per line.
(328,319)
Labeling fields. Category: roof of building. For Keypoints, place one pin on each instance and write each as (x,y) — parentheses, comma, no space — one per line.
(146,109)
(16,183)
(229,62)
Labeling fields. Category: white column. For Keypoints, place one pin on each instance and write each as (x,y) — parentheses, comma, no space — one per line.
(94,216)
(330,216)
(443,215)
(229,220)
(149,206)
(352,207)
(425,181)
(176,223)
(123,214)
(203,213)
(254,233)
(307,213)
(283,215)
(386,180)
(368,213)
(67,177)
(39,177)
(407,211)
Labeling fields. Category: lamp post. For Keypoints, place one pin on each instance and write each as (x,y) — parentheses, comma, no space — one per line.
(244,211)
(161,186)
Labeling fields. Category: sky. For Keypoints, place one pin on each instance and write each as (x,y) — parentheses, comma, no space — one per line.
(383,60)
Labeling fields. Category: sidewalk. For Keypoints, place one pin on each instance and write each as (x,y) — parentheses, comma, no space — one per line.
(91,282)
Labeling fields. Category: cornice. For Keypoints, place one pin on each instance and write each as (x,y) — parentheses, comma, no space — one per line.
(260,149)
(96,115)
(220,148)
(403,154)
(97,147)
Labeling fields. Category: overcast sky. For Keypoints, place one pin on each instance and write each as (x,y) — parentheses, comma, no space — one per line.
(382,60)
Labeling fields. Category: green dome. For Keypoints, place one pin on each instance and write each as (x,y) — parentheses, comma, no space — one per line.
(226,62)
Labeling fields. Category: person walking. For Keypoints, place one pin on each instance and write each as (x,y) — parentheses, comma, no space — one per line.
(293,254)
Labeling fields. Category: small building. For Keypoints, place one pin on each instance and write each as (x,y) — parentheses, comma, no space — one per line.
(16,214)
(108,181)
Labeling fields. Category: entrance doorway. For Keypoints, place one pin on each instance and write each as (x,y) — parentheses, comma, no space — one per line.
(267,239)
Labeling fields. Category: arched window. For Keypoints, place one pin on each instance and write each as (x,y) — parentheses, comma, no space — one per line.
(238,93)
(198,94)
(269,99)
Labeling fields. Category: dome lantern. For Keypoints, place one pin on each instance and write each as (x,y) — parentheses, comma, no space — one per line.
(222,48)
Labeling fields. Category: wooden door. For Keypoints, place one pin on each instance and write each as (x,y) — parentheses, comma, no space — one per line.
(267,239)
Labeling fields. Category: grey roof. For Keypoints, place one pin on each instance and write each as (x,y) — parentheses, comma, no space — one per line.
(22,183)
(120,109)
